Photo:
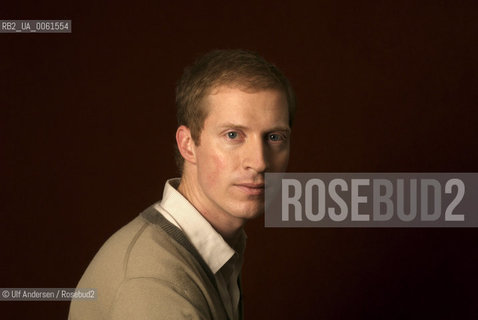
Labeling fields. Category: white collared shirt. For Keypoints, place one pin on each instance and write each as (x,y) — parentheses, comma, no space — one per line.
(224,262)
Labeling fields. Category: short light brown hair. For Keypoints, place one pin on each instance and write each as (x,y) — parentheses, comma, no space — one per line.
(241,68)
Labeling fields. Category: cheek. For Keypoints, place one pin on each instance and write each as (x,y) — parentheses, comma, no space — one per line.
(280,162)
(214,170)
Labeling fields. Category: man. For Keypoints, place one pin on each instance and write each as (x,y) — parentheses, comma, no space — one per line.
(181,258)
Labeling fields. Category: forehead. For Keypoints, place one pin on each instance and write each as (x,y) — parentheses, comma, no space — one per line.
(247,108)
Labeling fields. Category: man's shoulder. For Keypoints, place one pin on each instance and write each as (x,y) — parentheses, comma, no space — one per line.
(142,248)
(140,257)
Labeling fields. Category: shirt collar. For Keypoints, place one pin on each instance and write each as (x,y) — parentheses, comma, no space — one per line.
(208,242)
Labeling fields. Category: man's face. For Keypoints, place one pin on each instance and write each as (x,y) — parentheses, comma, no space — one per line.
(244,135)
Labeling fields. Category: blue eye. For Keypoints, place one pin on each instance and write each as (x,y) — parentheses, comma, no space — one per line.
(232,135)
(274,137)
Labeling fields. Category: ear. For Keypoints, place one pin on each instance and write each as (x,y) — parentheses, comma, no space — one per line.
(186,144)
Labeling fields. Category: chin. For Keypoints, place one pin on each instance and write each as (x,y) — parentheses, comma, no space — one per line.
(249,212)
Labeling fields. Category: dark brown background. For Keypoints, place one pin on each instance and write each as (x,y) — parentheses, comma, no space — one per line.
(87,127)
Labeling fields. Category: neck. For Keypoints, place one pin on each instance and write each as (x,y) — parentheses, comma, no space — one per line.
(227,226)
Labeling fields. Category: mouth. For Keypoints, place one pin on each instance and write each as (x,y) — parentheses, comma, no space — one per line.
(253,189)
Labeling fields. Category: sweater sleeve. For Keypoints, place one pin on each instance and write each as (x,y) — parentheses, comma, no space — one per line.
(156,299)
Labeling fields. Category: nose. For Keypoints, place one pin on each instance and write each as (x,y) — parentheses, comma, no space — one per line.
(255,155)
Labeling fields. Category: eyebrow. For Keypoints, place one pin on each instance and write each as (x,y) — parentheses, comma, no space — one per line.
(230,125)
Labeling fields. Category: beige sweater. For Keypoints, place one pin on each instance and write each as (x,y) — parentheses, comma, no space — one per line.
(149,270)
